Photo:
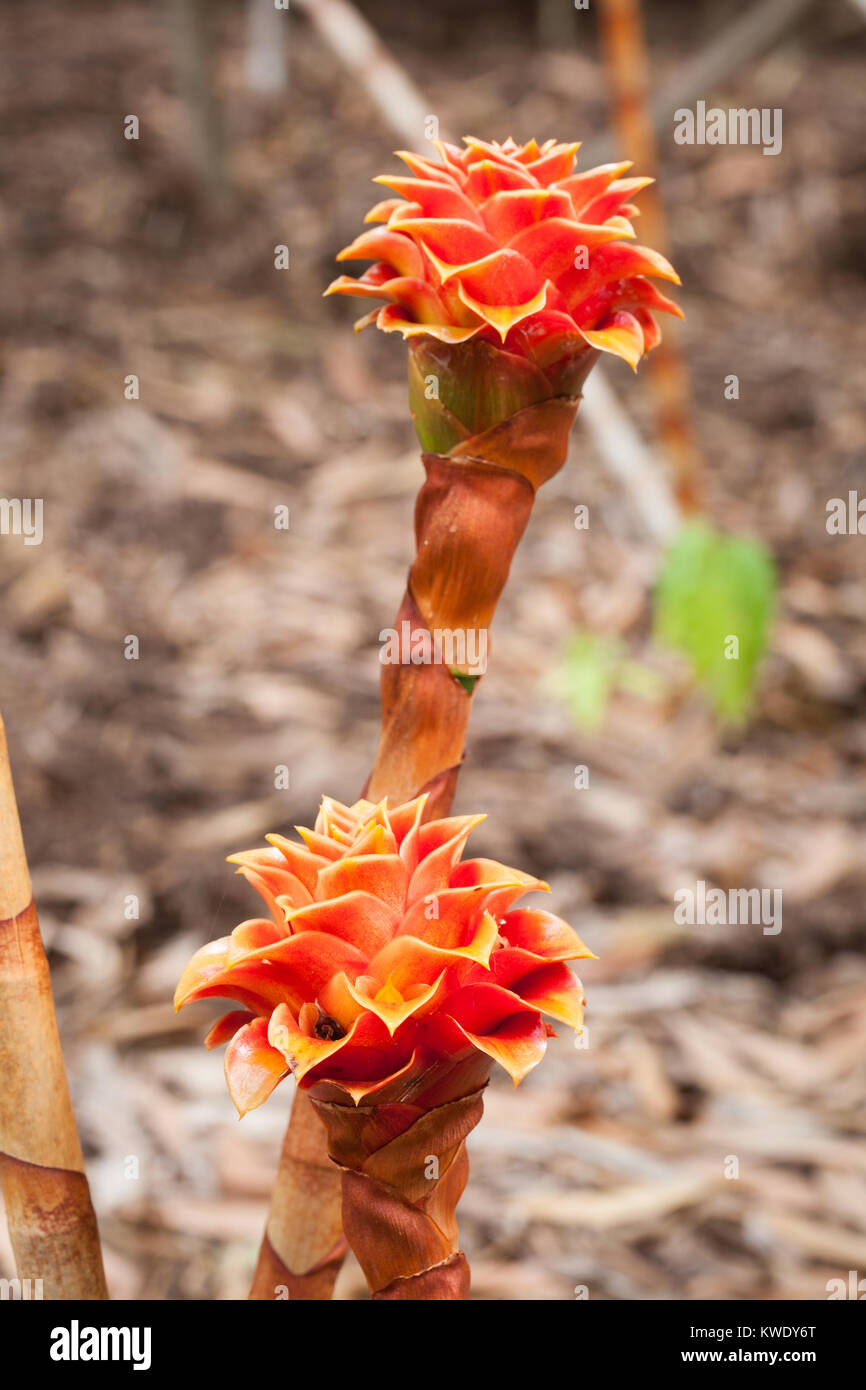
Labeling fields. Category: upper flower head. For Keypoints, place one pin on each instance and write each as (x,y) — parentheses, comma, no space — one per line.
(383,952)
(505,243)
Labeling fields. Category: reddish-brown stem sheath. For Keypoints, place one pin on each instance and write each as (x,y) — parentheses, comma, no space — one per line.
(51,1220)
(404,1168)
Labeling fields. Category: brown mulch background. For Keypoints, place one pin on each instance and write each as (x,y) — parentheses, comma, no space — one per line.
(612,1166)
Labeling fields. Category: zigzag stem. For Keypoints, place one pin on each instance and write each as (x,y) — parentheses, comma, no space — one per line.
(469,517)
(51,1220)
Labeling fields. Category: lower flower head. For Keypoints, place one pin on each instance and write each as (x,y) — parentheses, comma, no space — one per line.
(384,950)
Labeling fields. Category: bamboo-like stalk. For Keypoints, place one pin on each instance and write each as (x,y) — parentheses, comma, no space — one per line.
(303,1246)
(51,1220)
(470,515)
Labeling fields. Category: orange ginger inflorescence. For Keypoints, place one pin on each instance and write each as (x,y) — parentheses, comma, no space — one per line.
(384,955)
(507,244)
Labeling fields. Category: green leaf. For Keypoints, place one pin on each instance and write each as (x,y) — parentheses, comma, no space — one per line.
(594,668)
(589,674)
(715,600)
(468,682)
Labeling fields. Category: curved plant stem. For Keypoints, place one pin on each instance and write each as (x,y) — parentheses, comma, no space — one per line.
(470,514)
(52,1224)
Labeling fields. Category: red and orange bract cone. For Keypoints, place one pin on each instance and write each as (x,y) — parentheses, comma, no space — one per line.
(506,244)
(388,977)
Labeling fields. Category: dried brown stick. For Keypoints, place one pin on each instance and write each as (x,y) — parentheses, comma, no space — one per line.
(52,1224)
(358,47)
(191,25)
(627,69)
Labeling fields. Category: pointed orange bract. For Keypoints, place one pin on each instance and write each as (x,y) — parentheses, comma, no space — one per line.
(384,946)
(487,242)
